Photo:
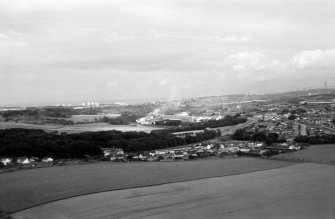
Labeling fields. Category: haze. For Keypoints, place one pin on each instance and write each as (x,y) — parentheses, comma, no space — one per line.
(68,50)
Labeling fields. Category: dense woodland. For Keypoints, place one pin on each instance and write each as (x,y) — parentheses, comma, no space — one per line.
(54,114)
(324,139)
(226,121)
(62,115)
(34,142)
(169,122)
(123,119)
(268,138)
(57,112)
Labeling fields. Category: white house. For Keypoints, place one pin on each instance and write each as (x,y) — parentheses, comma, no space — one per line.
(6,161)
(33,159)
(23,160)
(47,159)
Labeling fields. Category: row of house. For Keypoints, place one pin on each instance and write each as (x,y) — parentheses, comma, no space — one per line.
(24,160)
(187,133)
(225,149)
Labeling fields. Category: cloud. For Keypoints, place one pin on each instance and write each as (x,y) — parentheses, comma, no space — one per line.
(111,83)
(314,57)
(167,48)
(12,38)
(115,37)
(163,82)
(204,37)
(246,61)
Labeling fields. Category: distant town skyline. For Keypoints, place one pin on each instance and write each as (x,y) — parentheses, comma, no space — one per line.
(148,100)
(70,50)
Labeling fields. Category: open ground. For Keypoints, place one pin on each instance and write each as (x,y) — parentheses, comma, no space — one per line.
(321,153)
(24,189)
(298,191)
(217,188)
(89,127)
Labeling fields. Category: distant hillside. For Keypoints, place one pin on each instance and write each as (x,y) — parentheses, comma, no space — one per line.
(291,96)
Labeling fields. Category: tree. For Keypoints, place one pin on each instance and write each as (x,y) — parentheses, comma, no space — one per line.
(219,132)
(271,138)
(261,136)
(285,111)
(292,117)
(241,134)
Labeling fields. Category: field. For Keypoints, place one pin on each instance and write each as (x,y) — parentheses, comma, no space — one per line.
(23,189)
(94,127)
(90,118)
(90,127)
(9,125)
(323,154)
(298,191)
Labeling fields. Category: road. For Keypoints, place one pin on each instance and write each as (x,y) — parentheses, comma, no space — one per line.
(228,130)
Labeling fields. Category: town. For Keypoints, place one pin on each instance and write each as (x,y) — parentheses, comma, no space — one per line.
(167,109)
(269,125)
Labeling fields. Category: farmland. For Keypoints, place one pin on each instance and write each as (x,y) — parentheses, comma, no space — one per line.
(298,191)
(89,127)
(324,154)
(91,118)
(28,188)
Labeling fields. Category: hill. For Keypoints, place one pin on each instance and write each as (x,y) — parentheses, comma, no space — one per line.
(298,191)
(24,189)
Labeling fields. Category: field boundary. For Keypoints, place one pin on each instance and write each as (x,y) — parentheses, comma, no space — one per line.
(317,154)
(106,162)
(289,163)
(297,161)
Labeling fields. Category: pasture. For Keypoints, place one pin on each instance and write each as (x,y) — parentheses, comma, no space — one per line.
(298,191)
(24,189)
(95,127)
(89,127)
(90,118)
(322,153)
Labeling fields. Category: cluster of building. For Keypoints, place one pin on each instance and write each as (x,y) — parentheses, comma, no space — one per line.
(287,119)
(225,150)
(25,161)
(183,117)
(292,120)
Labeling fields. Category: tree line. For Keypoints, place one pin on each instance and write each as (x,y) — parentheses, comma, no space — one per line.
(35,142)
(169,122)
(324,139)
(34,113)
(38,114)
(268,138)
(123,119)
(226,121)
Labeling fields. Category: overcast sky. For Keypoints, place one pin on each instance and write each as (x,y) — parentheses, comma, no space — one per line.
(81,50)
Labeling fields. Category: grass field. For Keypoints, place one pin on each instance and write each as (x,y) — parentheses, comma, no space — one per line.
(323,154)
(24,189)
(298,191)
(89,127)
(89,118)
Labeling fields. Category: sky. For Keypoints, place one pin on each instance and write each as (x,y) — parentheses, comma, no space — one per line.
(92,50)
